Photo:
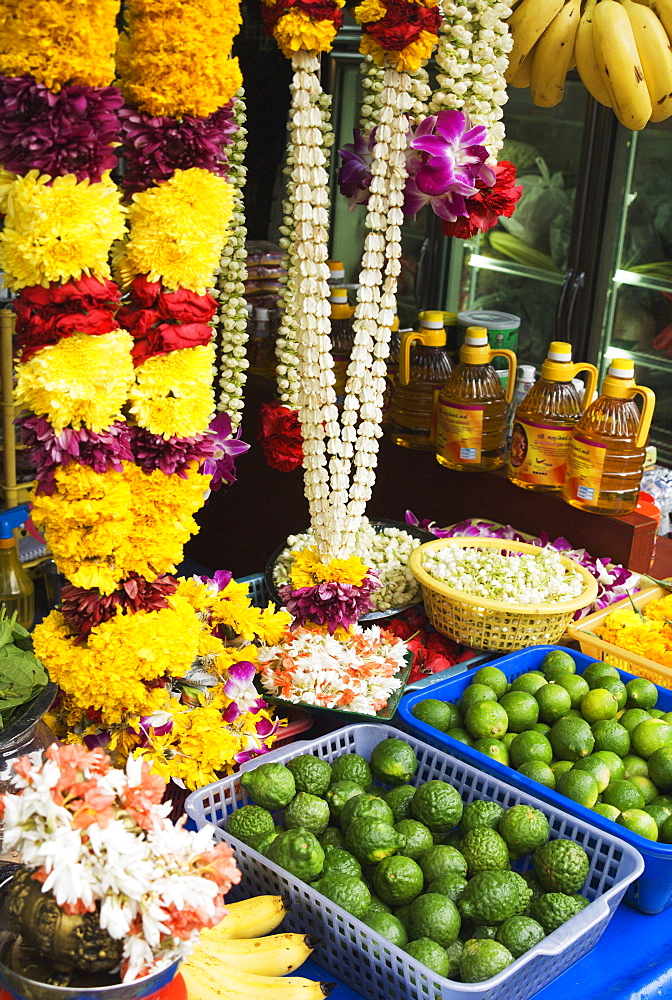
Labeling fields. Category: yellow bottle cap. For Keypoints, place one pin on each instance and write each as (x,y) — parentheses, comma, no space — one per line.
(476,336)
(622,368)
(336,270)
(558,350)
(339,296)
(431,320)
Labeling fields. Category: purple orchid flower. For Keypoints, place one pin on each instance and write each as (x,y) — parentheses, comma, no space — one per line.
(265,729)
(240,688)
(354,176)
(425,524)
(227,445)
(217,583)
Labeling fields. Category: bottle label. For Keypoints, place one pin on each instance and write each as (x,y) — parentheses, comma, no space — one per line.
(460,432)
(538,453)
(585,462)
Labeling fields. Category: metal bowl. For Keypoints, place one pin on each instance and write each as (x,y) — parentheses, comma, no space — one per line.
(378,524)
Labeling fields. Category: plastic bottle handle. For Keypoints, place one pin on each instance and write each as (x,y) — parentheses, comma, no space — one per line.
(512,362)
(649,401)
(405,350)
(591,381)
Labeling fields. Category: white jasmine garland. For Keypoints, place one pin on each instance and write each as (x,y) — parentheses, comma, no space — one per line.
(472,54)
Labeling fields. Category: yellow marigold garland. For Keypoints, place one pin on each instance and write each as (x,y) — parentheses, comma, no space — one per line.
(59,41)
(59,231)
(173,394)
(177,60)
(308,570)
(401,47)
(80,381)
(649,636)
(297,25)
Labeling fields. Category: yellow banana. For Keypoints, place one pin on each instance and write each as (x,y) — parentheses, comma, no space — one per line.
(526,23)
(248,918)
(522,77)
(620,64)
(552,56)
(225,982)
(586,58)
(273,955)
(653,47)
(663,11)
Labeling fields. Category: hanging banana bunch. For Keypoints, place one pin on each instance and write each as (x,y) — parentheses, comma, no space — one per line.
(621,49)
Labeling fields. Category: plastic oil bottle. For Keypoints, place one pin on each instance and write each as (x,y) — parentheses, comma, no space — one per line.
(473,406)
(608,445)
(342,337)
(544,420)
(17,592)
(424,366)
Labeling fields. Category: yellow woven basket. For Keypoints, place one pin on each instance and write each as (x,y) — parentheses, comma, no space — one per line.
(486,624)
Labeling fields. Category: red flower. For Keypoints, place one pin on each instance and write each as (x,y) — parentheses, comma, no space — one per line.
(317,10)
(280,437)
(46,315)
(488,204)
(169,337)
(403,24)
(161,321)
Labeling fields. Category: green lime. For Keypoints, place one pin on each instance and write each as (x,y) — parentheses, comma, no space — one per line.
(598,669)
(598,704)
(649,736)
(387,925)
(262,841)
(579,786)
(660,768)
(454,953)
(572,714)
(429,953)
(507,739)
(347,891)
(609,812)
(616,686)
(596,768)
(311,774)
(667,717)
(482,959)
(474,693)
(528,682)
(571,739)
(434,916)
(639,821)
(365,806)
(559,767)
(377,905)
(486,719)
(624,795)
(485,850)
(442,860)
(553,909)
(339,793)
(646,786)
(483,932)
(524,828)
(632,718)
(575,686)
(557,664)
(659,812)
(351,767)
(331,839)
(299,852)
(399,801)
(561,865)
(522,710)
(494,749)
(493,678)
(611,735)
(665,800)
(536,770)
(493,896)
(613,762)
(248,822)
(271,786)
(398,880)
(657,713)
(451,886)
(519,934)
(634,765)
(393,761)
(666,832)
(542,727)
(415,838)
(438,714)
(530,745)
(461,735)
(340,862)
(453,839)
(642,693)
(438,805)
(307,811)
(480,814)
(554,702)
(371,840)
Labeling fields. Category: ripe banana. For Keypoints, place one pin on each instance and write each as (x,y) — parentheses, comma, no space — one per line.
(620,64)
(663,11)
(274,955)
(653,47)
(586,58)
(248,918)
(227,983)
(552,56)
(526,23)
(522,77)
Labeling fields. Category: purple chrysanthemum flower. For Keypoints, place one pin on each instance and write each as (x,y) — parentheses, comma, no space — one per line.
(227,445)
(444,158)
(173,455)
(330,604)
(354,176)
(154,148)
(47,450)
(70,132)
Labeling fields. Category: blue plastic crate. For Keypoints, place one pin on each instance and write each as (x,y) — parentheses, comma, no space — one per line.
(256,588)
(652,892)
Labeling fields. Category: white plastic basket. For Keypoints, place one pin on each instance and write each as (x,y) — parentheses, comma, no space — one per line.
(368,962)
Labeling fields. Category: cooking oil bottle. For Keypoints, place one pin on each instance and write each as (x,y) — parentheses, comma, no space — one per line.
(472,411)
(17,592)
(342,338)
(544,420)
(424,366)
(608,445)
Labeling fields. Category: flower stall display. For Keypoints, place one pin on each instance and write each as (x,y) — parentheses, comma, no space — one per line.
(97,847)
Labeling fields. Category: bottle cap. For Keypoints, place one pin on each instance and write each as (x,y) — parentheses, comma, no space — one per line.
(431,320)
(622,368)
(476,336)
(526,373)
(558,350)
(339,295)
(10,519)
(449,319)
(336,270)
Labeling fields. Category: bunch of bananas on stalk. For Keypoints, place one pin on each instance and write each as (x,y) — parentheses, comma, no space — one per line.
(621,49)
(240,959)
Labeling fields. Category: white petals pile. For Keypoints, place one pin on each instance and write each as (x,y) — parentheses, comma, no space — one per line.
(474,43)
(516,578)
